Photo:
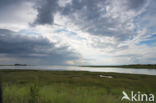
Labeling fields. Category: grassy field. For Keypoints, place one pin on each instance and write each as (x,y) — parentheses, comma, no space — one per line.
(28,86)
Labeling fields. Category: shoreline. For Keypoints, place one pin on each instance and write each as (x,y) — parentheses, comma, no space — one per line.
(66,71)
(148,66)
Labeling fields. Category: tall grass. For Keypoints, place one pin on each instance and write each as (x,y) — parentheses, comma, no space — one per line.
(61,87)
(1,99)
(34,94)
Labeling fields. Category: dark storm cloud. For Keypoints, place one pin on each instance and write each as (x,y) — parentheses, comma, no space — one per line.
(136,4)
(21,45)
(46,10)
(86,14)
(25,47)
(4,3)
(89,15)
(90,18)
(7,3)
(90,5)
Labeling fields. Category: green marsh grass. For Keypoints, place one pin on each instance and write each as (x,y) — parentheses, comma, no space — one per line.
(26,86)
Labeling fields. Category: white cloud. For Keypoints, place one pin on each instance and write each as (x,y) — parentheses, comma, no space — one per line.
(102,32)
(17,17)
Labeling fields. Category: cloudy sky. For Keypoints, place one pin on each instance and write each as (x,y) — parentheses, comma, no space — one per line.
(77,32)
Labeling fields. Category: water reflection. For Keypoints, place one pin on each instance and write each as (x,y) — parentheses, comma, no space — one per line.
(91,69)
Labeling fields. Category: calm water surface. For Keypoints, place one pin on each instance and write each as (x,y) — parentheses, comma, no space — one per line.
(91,69)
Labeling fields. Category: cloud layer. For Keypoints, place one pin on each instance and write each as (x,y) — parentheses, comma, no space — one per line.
(15,45)
(78,31)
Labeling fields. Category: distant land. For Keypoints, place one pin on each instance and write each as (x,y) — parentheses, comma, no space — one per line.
(138,66)
(13,64)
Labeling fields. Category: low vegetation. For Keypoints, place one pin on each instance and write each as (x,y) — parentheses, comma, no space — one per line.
(32,86)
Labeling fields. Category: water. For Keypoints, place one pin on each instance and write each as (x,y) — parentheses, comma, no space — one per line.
(90,69)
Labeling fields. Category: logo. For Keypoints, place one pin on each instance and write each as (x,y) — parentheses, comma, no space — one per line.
(137,96)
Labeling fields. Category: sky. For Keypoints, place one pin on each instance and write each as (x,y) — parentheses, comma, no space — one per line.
(78,32)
